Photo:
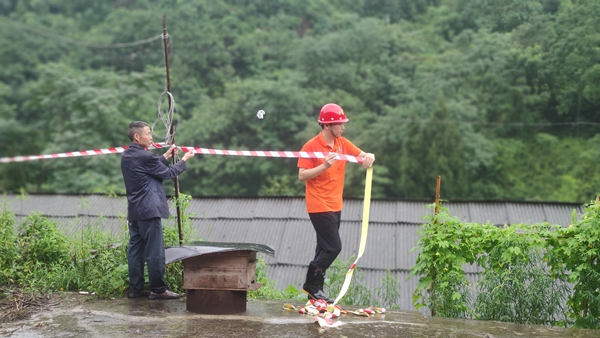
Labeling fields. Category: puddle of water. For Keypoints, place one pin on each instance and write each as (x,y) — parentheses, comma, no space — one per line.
(164,319)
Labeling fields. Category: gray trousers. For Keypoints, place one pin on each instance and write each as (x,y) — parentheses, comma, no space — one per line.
(146,245)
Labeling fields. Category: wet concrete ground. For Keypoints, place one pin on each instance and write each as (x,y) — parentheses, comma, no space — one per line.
(78,317)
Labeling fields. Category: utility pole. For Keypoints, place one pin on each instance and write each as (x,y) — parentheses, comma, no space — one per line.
(171,129)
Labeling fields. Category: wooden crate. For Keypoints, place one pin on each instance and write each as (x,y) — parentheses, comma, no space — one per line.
(230,270)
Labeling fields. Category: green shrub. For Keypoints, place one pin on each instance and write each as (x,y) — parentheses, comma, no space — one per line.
(526,270)
(389,292)
(516,285)
(41,241)
(101,267)
(445,245)
(267,290)
(575,257)
(8,248)
(43,252)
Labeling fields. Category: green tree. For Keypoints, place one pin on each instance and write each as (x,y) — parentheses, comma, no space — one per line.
(69,110)
(432,149)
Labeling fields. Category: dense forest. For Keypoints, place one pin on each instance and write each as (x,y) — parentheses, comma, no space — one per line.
(500,98)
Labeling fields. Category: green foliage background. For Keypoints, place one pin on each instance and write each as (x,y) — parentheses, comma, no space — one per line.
(501,98)
(532,274)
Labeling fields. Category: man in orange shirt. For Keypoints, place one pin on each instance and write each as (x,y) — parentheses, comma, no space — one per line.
(324,188)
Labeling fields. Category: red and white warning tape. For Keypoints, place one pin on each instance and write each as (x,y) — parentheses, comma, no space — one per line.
(205,151)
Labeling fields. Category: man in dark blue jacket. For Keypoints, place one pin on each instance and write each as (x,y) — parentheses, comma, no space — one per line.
(143,173)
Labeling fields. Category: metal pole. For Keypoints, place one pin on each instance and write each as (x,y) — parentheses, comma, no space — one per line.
(171,131)
(437,210)
(437,195)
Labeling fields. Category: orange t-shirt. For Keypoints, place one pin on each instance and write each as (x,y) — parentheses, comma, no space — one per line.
(324,192)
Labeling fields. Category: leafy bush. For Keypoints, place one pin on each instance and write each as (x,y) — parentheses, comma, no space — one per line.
(43,252)
(446,244)
(8,248)
(575,257)
(516,285)
(268,290)
(389,292)
(101,264)
(41,241)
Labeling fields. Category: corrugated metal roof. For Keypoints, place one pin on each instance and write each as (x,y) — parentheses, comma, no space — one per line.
(411,212)
(297,243)
(381,241)
(223,230)
(406,239)
(494,213)
(561,213)
(282,224)
(460,210)
(284,275)
(524,213)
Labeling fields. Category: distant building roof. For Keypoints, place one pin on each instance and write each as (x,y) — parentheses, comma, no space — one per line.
(283,224)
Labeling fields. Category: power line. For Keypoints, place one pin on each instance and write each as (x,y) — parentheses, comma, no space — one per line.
(503,124)
(77,42)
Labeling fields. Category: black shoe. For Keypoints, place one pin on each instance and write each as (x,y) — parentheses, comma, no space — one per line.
(317,295)
(165,295)
(313,285)
(144,293)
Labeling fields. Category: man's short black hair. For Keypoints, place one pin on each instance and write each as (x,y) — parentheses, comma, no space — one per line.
(135,127)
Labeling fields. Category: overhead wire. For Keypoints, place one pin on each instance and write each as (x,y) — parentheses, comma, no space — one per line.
(504,124)
(78,42)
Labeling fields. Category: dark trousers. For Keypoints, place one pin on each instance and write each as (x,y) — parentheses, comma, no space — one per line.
(329,243)
(146,245)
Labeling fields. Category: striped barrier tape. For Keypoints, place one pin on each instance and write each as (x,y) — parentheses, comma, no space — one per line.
(205,151)
(252,153)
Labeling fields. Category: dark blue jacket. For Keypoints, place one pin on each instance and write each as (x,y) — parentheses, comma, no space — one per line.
(143,173)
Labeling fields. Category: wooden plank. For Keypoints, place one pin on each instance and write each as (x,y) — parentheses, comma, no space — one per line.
(235,270)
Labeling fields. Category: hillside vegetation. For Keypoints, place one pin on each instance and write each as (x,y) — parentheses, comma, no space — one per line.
(500,98)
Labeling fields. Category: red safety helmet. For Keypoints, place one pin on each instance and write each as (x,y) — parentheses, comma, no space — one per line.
(332,113)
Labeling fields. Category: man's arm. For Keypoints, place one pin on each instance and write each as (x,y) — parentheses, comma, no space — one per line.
(306,174)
